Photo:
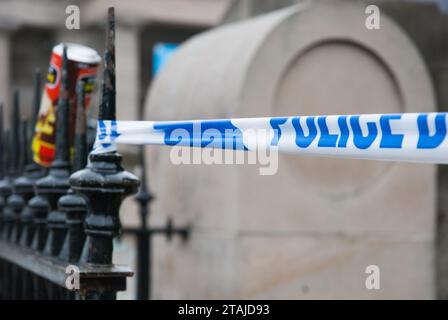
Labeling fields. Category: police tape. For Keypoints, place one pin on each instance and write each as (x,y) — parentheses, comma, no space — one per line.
(412,137)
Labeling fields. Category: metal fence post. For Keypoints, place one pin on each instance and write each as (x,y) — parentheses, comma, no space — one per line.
(73,204)
(8,211)
(55,184)
(24,185)
(104,182)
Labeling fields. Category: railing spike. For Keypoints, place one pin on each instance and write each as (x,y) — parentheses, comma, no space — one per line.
(80,145)
(2,167)
(107,105)
(2,149)
(15,131)
(35,111)
(14,203)
(7,153)
(62,153)
(23,149)
(6,189)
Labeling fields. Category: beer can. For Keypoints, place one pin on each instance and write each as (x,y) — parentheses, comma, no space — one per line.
(83,65)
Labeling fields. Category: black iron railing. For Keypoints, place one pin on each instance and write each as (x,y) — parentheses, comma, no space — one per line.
(57,226)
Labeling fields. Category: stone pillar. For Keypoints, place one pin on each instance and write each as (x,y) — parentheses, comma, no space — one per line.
(311,230)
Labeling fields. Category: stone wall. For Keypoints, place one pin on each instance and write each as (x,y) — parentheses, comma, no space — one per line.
(311,230)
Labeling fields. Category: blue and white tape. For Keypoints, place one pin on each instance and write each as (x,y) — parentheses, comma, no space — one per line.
(413,137)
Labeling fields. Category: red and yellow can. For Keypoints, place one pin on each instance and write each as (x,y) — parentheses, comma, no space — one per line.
(82,67)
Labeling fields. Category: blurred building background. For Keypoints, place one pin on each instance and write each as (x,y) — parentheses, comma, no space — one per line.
(311,230)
